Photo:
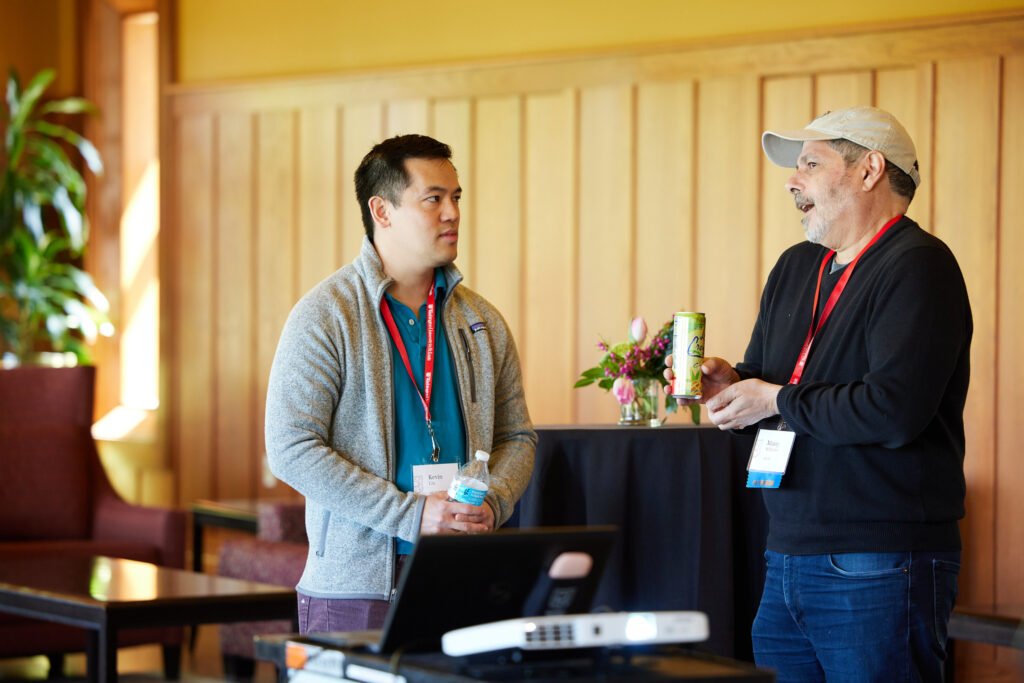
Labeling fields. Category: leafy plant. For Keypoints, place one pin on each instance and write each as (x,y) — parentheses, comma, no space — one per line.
(632,360)
(45,299)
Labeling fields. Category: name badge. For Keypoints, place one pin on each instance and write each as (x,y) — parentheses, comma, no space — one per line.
(427,479)
(769,458)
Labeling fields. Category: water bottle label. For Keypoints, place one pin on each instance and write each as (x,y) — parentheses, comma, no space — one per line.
(464,492)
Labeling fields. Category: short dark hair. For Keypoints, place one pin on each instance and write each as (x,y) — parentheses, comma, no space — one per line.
(899,182)
(382,171)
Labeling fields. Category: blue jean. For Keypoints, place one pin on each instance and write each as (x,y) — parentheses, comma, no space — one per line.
(856,617)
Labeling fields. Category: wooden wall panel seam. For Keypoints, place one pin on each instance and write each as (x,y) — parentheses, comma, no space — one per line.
(635,258)
(694,205)
(521,303)
(215,384)
(254,200)
(931,142)
(759,188)
(341,184)
(997,306)
(471,273)
(296,208)
(577,199)
(430,116)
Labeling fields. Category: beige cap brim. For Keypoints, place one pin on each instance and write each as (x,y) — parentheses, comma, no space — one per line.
(783,147)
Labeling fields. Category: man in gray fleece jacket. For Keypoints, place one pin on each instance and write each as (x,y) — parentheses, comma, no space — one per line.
(366,399)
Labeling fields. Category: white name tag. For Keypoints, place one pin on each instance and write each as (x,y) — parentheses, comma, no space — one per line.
(769,458)
(427,479)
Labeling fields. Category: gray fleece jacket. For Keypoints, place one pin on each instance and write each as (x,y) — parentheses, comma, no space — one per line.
(330,431)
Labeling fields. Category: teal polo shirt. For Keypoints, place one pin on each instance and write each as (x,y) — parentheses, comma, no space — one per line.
(412,441)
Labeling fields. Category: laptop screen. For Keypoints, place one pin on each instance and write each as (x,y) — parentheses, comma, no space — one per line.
(450,582)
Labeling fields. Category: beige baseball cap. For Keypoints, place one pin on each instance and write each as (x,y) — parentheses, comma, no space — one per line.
(873,128)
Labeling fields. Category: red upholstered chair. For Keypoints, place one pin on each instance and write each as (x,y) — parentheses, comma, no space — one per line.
(56,501)
(276,555)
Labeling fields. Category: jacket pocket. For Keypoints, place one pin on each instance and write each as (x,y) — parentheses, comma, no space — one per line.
(469,361)
(321,536)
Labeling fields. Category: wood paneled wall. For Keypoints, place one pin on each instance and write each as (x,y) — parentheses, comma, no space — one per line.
(597,188)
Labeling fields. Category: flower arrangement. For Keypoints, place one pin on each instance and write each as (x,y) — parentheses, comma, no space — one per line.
(626,365)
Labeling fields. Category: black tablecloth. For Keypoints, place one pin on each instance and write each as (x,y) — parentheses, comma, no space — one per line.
(691,536)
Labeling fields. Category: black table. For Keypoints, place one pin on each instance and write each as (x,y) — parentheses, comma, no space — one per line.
(298,660)
(691,535)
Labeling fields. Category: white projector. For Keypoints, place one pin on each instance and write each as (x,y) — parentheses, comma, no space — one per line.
(566,631)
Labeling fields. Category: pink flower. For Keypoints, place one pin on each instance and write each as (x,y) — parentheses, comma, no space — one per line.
(637,330)
(623,390)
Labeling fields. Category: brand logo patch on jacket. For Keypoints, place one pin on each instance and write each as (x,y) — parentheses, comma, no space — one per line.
(477,327)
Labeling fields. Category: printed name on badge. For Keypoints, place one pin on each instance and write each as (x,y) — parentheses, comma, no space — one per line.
(769,458)
(427,479)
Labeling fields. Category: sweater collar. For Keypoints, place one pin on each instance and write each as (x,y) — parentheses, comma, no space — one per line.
(371,268)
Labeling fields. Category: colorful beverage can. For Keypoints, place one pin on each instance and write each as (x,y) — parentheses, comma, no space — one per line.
(687,353)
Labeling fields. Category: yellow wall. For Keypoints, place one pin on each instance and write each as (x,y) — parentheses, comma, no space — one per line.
(238,39)
(39,34)
(241,39)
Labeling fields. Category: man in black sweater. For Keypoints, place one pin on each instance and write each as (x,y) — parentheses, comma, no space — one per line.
(860,355)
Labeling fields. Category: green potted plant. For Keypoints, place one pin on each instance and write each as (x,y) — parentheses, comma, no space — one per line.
(47,303)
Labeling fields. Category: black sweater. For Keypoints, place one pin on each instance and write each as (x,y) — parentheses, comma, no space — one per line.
(878,461)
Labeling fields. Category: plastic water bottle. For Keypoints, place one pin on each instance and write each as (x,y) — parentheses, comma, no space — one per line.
(471,483)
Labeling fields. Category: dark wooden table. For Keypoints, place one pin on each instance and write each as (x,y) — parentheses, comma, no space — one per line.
(239,514)
(104,595)
(994,624)
(1001,625)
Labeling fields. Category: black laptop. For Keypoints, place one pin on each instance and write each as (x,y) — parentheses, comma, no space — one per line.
(451,582)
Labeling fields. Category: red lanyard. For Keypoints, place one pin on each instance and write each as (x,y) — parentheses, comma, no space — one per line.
(428,367)
(801,360)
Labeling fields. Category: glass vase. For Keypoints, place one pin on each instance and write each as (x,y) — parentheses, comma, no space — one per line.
(642,411)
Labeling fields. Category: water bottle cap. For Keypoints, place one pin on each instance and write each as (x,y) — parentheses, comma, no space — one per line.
(483,455)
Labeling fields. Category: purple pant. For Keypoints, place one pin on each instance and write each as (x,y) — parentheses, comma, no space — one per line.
(326,615)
